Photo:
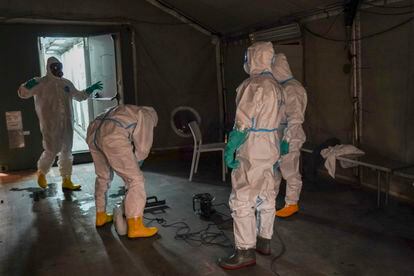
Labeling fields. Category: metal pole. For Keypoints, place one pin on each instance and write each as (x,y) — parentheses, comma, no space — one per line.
(358,49)
(134,61)
(354,87)
(217,42)
(378,188)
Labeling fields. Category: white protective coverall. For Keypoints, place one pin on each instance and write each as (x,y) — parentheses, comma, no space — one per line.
(253,183)
(295,101)
(53,103)
(118,139)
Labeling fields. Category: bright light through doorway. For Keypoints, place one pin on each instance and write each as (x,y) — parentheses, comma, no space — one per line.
(85,60)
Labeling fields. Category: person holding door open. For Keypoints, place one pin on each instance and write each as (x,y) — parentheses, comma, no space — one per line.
(53,96)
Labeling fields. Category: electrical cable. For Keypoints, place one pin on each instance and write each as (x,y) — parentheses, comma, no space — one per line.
(387,7)
(92,19)
(282,250)
(326,9)
(332,24)
(361,38)
(211,238)
(221,204)
(383,13)
(201,237)
(217,212)
(279,255)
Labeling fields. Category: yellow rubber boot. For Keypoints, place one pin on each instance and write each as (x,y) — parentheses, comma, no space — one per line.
(136,229)
(41,180)
(102,218)
(68,184)
(287,211)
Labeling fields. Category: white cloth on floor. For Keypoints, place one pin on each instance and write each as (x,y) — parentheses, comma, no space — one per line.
(331,153)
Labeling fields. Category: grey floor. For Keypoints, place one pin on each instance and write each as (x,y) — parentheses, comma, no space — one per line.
(339,230)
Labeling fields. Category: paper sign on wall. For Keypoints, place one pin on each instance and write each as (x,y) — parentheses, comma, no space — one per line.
(15,129)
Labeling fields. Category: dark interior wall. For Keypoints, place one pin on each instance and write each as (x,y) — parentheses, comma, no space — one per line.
(388,83)
(178,72)
(20,62)
(387,79)
(11,77)
(234,73)
(329,110)
(176,63)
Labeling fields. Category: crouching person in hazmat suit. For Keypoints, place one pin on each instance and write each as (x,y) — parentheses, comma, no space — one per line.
(119,140)
(53,103)
(254,141)
(293,136)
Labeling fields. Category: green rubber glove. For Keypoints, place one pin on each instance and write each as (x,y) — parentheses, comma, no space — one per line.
(93,87)
(236,139)
(31,83)
(284,147)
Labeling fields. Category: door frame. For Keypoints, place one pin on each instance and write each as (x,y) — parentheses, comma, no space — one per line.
(122,39)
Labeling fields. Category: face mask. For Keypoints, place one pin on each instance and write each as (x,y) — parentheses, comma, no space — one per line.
(56,69)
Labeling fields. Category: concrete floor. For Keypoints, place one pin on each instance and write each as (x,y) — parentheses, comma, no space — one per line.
(338,231)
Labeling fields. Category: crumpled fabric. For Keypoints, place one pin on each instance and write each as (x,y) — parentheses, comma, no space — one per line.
(331,153)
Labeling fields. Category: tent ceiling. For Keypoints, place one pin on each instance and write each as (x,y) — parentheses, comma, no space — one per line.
(232,16)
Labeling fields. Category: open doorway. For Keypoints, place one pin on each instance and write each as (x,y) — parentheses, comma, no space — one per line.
(85,60)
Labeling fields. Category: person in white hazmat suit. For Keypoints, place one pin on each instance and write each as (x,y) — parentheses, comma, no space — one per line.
(293,136)
(254,141)
(53,103)
(119,140)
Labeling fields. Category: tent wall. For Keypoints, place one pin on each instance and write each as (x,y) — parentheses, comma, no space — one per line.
(20,62)
(387,70)
(329,111)
(388,83)
(177,67)
(176,64)
(234,74)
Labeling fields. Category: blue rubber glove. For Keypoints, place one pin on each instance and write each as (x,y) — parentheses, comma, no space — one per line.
(284,147)
(140,163)
(93,87)
(31,83)
(236,139)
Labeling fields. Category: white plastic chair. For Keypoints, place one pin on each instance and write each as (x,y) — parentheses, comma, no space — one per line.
(199,147)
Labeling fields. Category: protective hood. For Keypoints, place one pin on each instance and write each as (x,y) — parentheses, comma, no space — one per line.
(259,58)
(281,69)
(150,113)
(50,61)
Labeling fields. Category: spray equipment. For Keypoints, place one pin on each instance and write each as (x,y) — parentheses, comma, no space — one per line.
(203,205)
